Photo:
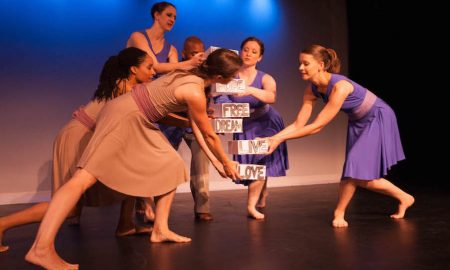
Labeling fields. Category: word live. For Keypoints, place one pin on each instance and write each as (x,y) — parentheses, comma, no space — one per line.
(248,147)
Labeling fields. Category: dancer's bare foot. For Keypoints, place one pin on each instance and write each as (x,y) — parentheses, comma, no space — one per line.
(253,213)
(136,230)
(339,221)
(404,204)
(2,247)
(159,236)
(262,199)
(48,259)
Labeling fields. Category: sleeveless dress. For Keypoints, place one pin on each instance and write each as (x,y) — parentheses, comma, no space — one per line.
(68,147)
(174,134)
(373,139)
(264,121)
(127,152)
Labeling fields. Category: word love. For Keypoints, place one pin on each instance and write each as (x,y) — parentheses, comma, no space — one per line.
(231,110)
(223,125)
(248,147)
(252,171)
(233,87)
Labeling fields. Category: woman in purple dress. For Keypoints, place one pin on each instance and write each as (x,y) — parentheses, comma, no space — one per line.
(373,139)
(264,121)
(152,40)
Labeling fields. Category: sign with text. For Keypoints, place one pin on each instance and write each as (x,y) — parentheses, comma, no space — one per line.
(227,125)
(233,87)
(248,147)
(213,48)
(231,110)
(252,171)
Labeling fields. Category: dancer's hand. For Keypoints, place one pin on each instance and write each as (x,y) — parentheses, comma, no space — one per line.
(247,92)
(273,143)
(231,170)
(219,168)
(197,59)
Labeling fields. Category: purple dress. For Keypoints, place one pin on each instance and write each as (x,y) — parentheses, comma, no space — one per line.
(373,139)
(264,121)
(173,134)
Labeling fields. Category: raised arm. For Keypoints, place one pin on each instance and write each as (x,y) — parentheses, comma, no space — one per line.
(138,40)
(269,95)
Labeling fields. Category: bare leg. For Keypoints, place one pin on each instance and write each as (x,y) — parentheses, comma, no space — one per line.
(387,188)
(126,225)
(254,191)
(43,251)
(161,231)
(144,209)
(29,215)
(263,196)
(346,190)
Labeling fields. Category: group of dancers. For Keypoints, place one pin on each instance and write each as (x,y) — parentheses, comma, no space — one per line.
(121,146)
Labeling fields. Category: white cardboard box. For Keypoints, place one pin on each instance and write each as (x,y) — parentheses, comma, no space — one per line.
(231,110)
(248,147)
(213,48)
(227,125)
(233,87)
(252,171)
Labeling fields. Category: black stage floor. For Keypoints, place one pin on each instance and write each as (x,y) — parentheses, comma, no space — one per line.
(295,235)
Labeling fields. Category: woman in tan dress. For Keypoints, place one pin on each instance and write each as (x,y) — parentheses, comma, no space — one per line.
(119,74)
(126,141)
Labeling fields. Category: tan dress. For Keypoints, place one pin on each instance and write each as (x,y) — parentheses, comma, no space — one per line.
(68,147)
(128,152)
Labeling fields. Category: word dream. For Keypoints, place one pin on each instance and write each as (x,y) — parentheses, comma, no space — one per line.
(227,125)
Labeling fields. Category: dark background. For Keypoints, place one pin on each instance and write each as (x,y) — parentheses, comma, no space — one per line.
(397,50)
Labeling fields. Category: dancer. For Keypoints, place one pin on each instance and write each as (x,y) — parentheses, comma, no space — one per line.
(152,40)
(199,172)
(119,74)
(264,121)
(126,141)
(373,139)
(165,59)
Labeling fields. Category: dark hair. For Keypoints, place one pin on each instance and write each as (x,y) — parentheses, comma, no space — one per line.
(328,56)
(117,68)
(221,62)
(257,40)
(191,39)
(160,7)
